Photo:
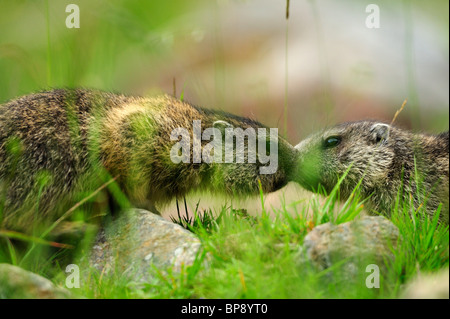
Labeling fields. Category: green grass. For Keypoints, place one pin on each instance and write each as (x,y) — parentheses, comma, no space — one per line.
(256,256)
(259,257)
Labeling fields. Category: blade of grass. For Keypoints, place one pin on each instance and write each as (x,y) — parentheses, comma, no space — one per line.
(71,210)
(36,240)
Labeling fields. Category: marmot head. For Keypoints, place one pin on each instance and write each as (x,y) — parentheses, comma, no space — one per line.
(183,148)
(257,155)
(362,149)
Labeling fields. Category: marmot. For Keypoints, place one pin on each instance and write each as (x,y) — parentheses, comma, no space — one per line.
(385,158)
(55,145)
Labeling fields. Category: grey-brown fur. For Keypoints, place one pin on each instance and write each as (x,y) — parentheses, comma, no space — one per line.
(385,158)
(75,135)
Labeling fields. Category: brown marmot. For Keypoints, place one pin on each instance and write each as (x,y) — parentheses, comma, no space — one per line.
(58,146)
(385,158)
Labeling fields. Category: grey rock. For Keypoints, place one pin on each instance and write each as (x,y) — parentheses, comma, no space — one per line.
(17,283)
(428,286)
(140,241)
(353,245)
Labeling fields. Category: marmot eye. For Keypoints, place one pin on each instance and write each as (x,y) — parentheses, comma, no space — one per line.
(331,141)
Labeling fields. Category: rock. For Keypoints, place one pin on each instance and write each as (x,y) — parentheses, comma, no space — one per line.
(139,240)
(355,245)
(428,286)
(17,283)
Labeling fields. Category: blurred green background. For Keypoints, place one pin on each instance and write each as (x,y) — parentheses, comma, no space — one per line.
(237,55)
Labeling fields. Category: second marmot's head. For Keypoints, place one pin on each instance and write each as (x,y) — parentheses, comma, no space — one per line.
(364,150)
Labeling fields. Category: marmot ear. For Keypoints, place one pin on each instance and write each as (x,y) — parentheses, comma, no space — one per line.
(379,133)
(222,125)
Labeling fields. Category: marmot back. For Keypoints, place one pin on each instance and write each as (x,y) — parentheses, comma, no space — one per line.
(385,158)
(57,147)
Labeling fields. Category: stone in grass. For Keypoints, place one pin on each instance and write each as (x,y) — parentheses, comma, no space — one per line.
(17,283)
(351,247)
(428,286)
(139,241)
